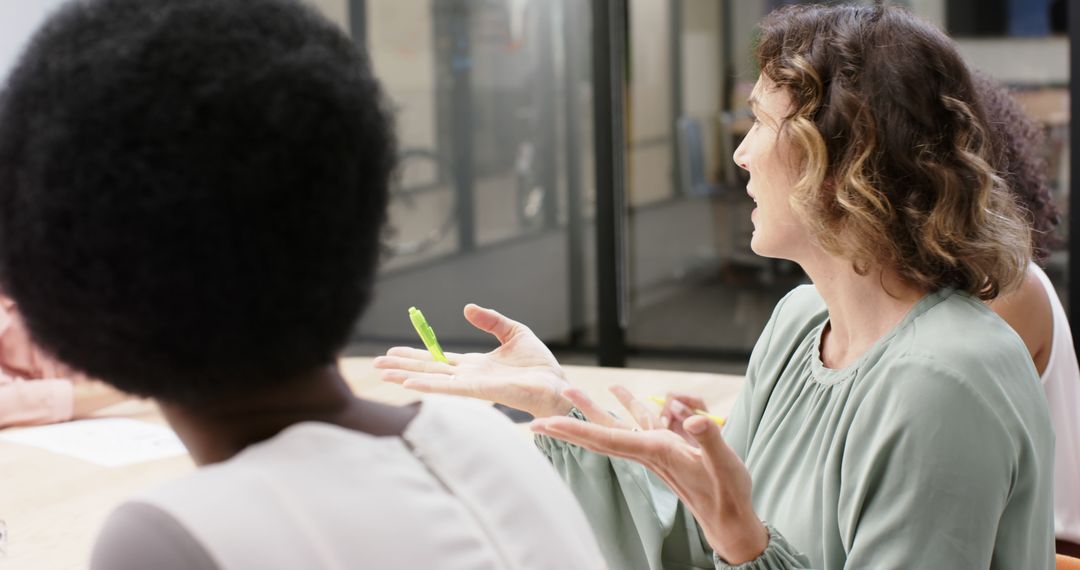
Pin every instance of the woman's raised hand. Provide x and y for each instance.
(707, 475)
(678, 408)
(521, 373)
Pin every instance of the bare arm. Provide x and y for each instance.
(91, 396)
(34, 402)
(1028, 312)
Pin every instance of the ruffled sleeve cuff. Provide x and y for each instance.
(778, 555)
(552, 447)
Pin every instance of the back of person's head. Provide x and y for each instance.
(192, 192)
(1018, 160)
(893, 147)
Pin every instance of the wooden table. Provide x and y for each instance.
(54, 505)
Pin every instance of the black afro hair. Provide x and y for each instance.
(192, 191)
(1017, 157)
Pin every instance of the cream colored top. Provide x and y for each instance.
(460, 489)
(1061, 383)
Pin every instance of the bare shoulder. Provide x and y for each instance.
(1029, 313)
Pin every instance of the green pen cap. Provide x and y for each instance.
(426, 334)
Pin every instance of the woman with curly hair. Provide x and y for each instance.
(889, 418)
(1034, 310)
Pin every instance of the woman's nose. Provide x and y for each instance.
(740, 157)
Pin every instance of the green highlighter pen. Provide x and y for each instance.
(426, 334)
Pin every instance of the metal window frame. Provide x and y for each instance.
(1073, 273)
(609, 132)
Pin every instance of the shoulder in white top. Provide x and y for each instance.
(461, 489)
(1061, 383)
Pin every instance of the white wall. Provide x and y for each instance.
(18, 21)
(400, 44)
(649, 168)
(1026, 61)
(1020, 61)
(744, 20)
(703, 58)
(336, 10)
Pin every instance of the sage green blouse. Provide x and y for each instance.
(933, 450)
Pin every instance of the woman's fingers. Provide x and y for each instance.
(410, 352)
(674, 414)
(718, 455)
(412, 365)
(432, 383)
(598, 438)
(394, 376)
(689, 400)
(593, 412)
(421, 354)
(638, 410)
(677, 408)
(493, 322)
(399, 376)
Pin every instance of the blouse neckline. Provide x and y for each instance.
(831, 376)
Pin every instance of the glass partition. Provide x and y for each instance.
(491, 204)
(495, 199)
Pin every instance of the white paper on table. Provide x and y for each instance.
(111, 442)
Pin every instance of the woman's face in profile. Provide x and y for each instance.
(769, 157)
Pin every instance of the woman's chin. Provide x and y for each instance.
(761, 246)
(757, 244)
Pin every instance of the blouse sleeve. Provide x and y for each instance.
(638, 521)
(778, 555)
(928, 469)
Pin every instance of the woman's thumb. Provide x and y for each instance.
(491, 321)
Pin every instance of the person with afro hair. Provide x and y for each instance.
(191, 198)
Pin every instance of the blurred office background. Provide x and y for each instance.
(498, 102)
(502, 106)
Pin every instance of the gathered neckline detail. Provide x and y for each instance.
(831, 376)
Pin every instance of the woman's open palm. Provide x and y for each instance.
(521, 373)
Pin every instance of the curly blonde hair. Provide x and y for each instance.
(895, 154)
